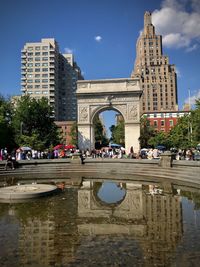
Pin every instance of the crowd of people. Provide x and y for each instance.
(105, 152)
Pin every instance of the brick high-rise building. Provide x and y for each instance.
(47, 73)
(157, 76)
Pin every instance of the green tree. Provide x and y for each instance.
(6, 130)
(160, 138)
(118, 133)
(34, 124)
(100, 135)
(146, 132)
(74, 134)
(179, 136)
(195, 124)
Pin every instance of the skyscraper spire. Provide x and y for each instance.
(149, 29)
(157, 76)
(147, 19)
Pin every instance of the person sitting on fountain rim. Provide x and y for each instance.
(9, 162)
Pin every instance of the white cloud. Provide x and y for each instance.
(68, 50)
(179, 27)
(192, 48)
(193, 98)
(98, 38)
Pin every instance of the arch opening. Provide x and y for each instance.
(108, 124)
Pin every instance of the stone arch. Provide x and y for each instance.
(94, 96)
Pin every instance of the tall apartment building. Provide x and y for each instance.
(158, 78)
(47, 73)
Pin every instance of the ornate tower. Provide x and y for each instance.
(157, 77)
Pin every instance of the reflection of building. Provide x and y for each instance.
(47, 73)
(36, 242)
(155, 221)
(164, 228)
(157, 76)
(164, 121)
(48, 235)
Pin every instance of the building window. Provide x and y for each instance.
(29, 70)
(37, 53)
(37, 64)
(37, 59)
(37, 75)
(171, 123)
(37, 81)
(30, 48)
(155, 123)
(45, 69)
(45, 48)
(37, 70)
(44, 53)
(45, 80)
(44, 64)
(29, 81)
(37, 48)
(162, 123)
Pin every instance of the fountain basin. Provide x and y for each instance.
(26, 191)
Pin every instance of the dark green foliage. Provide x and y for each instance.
(74, 134)
(100, 135)
(6, 130)
(146, 133)
(118, 133)
(34, 124)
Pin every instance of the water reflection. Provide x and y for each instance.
(85, 226)
(111, 192)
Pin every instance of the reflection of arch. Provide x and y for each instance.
(131, 207)
(96, 187)
(122, 95)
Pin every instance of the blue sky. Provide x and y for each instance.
(102, 34)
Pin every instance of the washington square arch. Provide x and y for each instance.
(95, 96)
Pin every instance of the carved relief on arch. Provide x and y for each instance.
(83, 113)
(133, 112)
